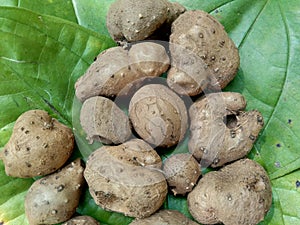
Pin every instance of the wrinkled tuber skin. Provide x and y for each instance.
(54, 198)
(112, 72)
(39, 145)
(165, 217)
(127, 178)
(238, 194)
(200, 33)
(174, 11)
(220, 130)
(129, 20)
(148, 59)
(182, 172)
(104, 121)
(164, 31)
(158, 115)
(189, 75)
(107, 75)
(82, 220)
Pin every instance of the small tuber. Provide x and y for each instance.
(182, 172)
(158, 115)
(104, 121)
(165, 217)
(39, 145)
(220, 130)
(126, 178)
(54, 198)
(239, 194)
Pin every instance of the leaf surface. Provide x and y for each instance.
(267, 33)
(41, 57)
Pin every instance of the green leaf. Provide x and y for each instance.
(92, 14)
(12, 196)
(89, 207)
(41, 57)
(286, 194)
(87, 13)
(58, 8)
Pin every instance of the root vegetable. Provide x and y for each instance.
(112, 72)
(168, 217)
(201, 34)
(238, 194)
(106, 76)
(104, 121)
(127, 178)
(220, 131)
(54, 198)
(158, 115)
(133, 20)
(39, 145)
(182, 172)
(81, 220)
(148, 59)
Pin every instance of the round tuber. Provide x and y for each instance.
(239, 194)
(127, 178)
(39, 145)
(158, 115)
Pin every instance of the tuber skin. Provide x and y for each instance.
(117, 68)
(220, 131)
(239, 194)
(201, 34)
(104, 121)
(134, 20)
(82, 220)
(148, 59)
(106, 76)
(182, 172)
(165, 217)
(39, 145)
(127, 178)
(54, 198)
(158, 115)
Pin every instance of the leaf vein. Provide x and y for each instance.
(221, 5)
(252, 25)
(76, 12)
(287, 66)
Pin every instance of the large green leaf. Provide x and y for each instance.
(87, 13)
(267, 33)
(41, 57)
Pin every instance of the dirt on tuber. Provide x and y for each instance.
(127, 178)
(158, 115)
(54, 198)
(39, 145)
(220, 130)
(182, 172)
(238, 194)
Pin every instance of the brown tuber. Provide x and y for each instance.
(238, 194)
(54, 198)
(220, 130)
(104, 121)
(215, 58)
(82, 220)
(158, 115)
(134, 20)
(39, 145)
(127, 178)
(116, 68)
(182, 172)
(165, 217)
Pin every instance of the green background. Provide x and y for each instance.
(45, 45)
